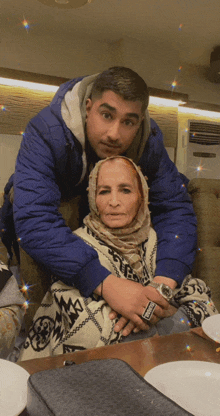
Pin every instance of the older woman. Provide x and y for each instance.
(119, 229)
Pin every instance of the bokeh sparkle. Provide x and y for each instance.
(25, 24)
(174, 84)
(26, 305)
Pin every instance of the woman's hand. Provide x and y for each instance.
(124, 324)
(127, 326)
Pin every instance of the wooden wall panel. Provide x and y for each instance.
(18, 105)
(167, 120)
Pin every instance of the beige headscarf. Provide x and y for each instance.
(125, 241)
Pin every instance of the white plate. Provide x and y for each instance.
(211, 327)
(13, 388)
(194, 385)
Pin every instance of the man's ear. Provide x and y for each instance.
(88, 106)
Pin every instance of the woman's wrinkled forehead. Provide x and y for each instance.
(123, 164)
(143, 188)
(120, 160)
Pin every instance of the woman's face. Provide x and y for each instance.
(118, 197)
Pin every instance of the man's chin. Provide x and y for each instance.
(107, 152)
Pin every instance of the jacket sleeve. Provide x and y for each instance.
(40, 228)
(171, 209)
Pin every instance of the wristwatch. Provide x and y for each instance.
(163, 289)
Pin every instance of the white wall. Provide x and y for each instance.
(9, 146)
(48, 54)
(154, 65)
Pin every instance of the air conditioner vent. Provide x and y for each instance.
(204, 133)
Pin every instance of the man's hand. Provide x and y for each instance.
(130, 300)
(166, 280)
(128, 326)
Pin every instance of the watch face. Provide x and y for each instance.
(166, 291)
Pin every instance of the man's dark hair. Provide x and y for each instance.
(124, 82)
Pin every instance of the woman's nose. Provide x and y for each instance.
(114, 200)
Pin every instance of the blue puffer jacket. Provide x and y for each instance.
(40, 175)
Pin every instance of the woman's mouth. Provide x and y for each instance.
(115, 214)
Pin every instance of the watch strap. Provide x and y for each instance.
(158, 287)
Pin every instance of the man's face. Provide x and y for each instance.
(112, 123)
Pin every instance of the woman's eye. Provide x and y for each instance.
(103, 192)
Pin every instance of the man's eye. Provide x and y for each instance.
(126, 191)
(107, 116)
(129, 123)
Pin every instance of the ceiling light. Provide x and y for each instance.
(196, 111)
(164, 101)
(29, 85)
(62, 1)
(66, 4)
(53, 88)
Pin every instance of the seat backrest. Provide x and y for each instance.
(205, 194)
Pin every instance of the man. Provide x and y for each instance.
(89, 119)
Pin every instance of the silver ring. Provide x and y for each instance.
(149, 310)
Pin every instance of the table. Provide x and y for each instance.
(142, 355)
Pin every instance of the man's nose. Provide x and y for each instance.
(114, 131)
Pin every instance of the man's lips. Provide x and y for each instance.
(111, 146)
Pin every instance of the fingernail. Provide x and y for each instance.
(135, 330)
